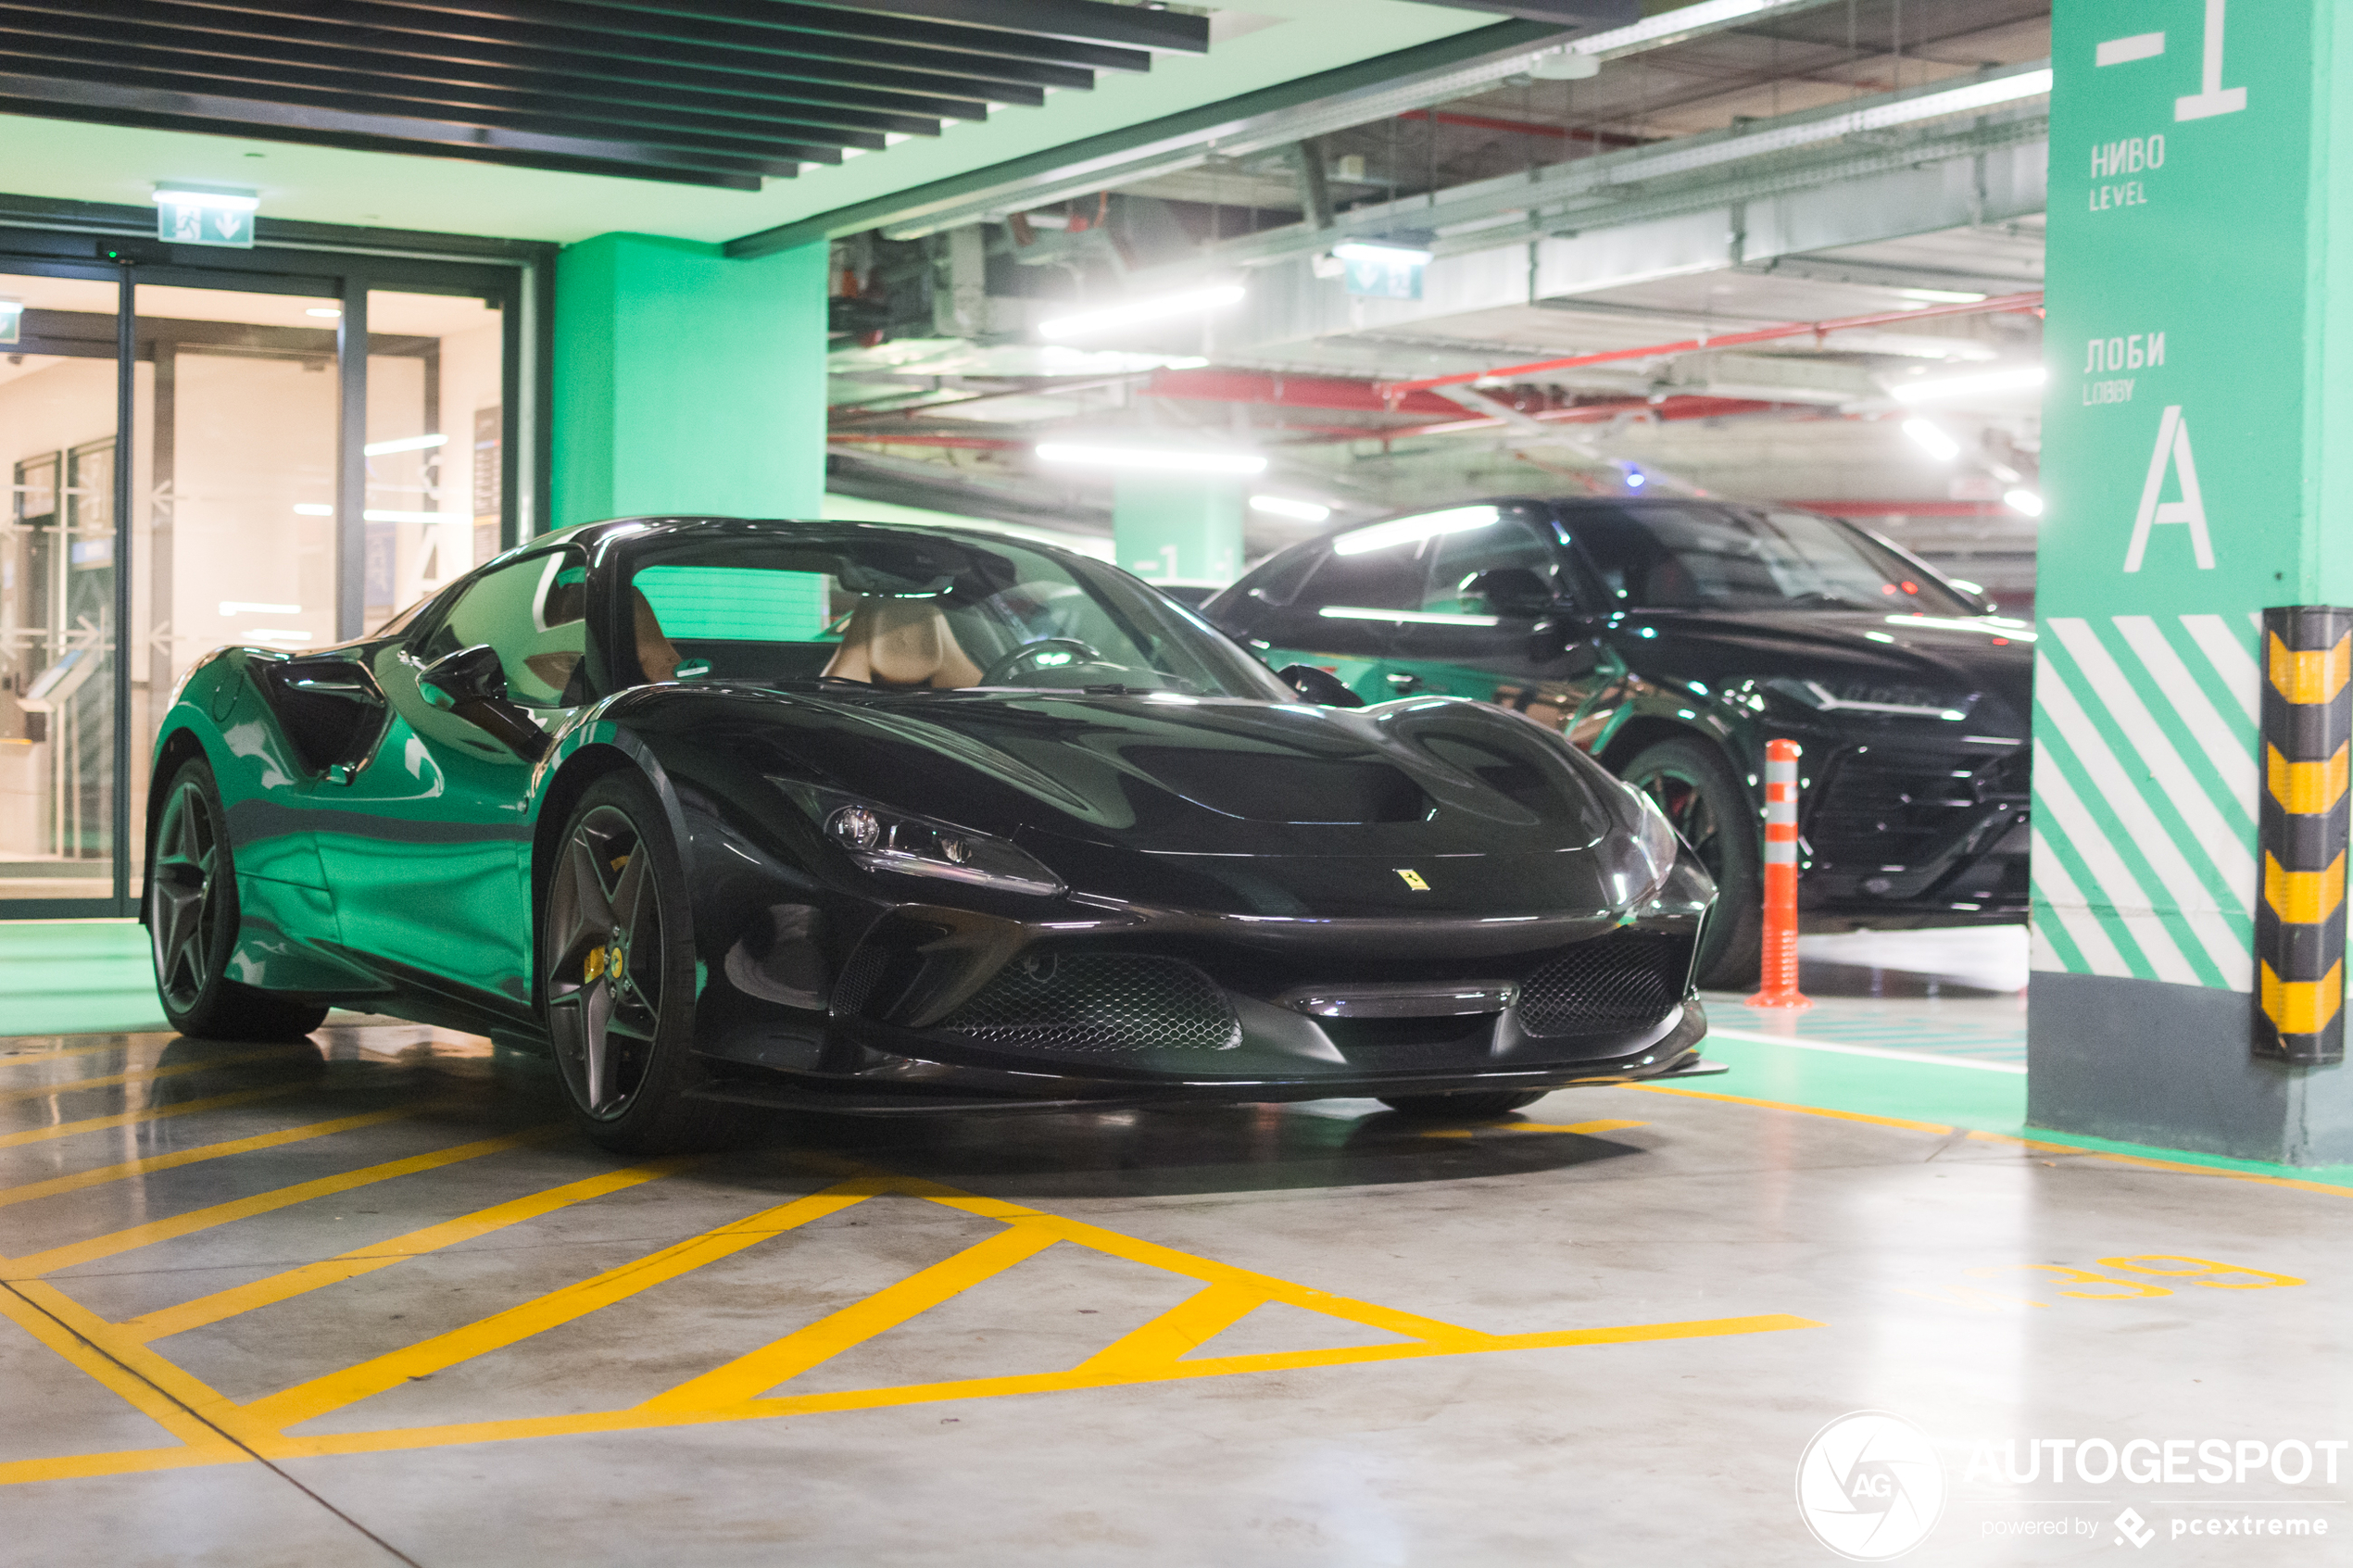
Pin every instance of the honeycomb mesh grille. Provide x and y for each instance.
(858, 976)
(1626, 980)
(1101, 1003)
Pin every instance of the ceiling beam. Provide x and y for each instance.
(1089, 21)
(296, 41)
(111, 103)
(1348, 96)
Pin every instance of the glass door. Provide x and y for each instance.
(223, 527)
(58, 394)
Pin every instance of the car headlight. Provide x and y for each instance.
(1659, 842)
(884, 838)
(1873, 700)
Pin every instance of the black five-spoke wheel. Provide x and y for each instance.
(617, 973)
(192, 921)
(605, 968)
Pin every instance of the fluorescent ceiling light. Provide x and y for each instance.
(232, 606)
(1141, 311)
(326, 312)
(188, 195)
(406, 443)
(2017, 377)
(1394, 253)
(1932, 441)
(1406, 530)
(312, 509)
(1418, 616)
(1165, 459)
(1942, 297)
(2023, 500)
(1280, 506)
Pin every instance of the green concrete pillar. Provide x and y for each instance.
(688, 382)
(2199, 469)
(1180, 528)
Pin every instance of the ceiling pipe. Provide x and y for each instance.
(1816, 330)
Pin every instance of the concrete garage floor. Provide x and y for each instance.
(367, 1303)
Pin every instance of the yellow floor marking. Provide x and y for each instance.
(37, 1263)
(105, 1173)
(2296, 1182)
(26, 1059)
(142, 1074)
(1802, 1109)
(307, 1401)
(1586, 1127)
(167, 1320)
(200, 1443)
(1153, 1353)
(1179, 1331)
(748, 1376)
(160, 1114)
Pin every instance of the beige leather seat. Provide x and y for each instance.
(902, 643)
(657, 655)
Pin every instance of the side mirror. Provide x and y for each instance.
(471, 685)
(1318, 686)
(1580, 658)
(1511, 591)
(469, 675)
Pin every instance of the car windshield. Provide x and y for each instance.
(1672, 556)
(909, 608)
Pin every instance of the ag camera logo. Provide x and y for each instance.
(1870, 1486)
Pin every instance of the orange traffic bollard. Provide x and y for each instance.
(1781, 880)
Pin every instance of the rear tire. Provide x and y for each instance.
(1462, 1108)
(1712, 809)
(193, 923)
(617, 975)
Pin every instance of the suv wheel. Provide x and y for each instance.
(1705, 799)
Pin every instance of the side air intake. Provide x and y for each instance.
(1625, 981)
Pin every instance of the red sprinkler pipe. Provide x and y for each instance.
(1780, 976)
(1729, 340)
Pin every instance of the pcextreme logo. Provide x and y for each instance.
(1870, 1486)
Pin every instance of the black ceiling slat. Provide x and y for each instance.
(151, 119)
(166, 25)
(357, 71)
(979, 75)
(574, 51)
(700, 153)
(895, 32)
(1137, 27)
(356, 14)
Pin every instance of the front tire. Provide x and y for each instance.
(193, 923)
(617, 975)
(1462, 1108)
(1705, 799)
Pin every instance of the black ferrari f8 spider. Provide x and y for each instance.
(870, 819)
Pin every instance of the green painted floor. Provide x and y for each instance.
(76, 977)
(1953, 1057)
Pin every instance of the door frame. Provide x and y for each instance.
(45, 236)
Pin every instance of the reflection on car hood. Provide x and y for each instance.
(1934, 654)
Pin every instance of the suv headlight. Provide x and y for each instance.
(882, 838)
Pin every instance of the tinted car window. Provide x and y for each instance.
(1672, 555)
(532, 612)
(1509, 544)
(904, 608)
(1386, 577)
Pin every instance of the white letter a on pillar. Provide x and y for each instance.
(2174, 448)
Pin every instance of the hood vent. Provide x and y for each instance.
(1264, 787)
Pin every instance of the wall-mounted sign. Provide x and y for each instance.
(201, 215)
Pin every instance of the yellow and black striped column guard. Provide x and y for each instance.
(2299, 919)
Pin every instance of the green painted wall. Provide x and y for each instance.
(2197, 463)
(1178, 527)
(688, 382)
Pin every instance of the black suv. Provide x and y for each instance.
(1671, 638)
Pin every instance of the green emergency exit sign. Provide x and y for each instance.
(201, 215)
